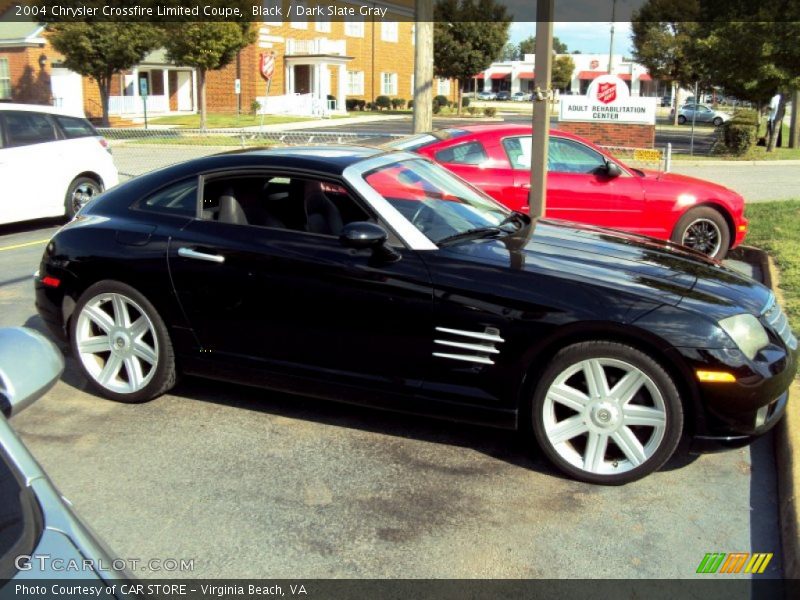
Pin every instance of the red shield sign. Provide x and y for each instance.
(607, 92)
(266, 65)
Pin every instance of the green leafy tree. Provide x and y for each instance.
(528, 46)
(563, 67)
(206, 47)
(468, 36)
(101, 50)
(665, 41)
(510, 52)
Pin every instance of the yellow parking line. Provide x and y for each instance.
(15, 246)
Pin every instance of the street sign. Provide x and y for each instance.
(267, 65)
(143, 87)
(608, 100)
(647, 155)
(237, 86)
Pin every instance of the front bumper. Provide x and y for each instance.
(732, 415)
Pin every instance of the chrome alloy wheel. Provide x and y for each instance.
(704, 236)
(83, 193)
(117, 343)
(604, 416)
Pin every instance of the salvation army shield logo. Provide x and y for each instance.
(607, 92)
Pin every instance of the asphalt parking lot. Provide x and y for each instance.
(249, 483)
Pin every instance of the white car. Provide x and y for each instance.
(51, 162)
(521, 97)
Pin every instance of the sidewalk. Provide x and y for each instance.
(323, 123)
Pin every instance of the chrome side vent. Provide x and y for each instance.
(468, 346)
(779, 323)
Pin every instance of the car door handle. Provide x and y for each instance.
(189, 253)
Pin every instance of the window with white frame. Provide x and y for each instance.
(354, 28)
(389, 31)
(323, 25)
(355, 83)
(388, 84)
(443, 87)
(298, 19)
(5, 80)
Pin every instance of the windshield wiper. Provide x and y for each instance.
(471, 234)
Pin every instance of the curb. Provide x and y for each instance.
(732, 163)
(787, 458)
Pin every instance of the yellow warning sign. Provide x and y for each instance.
(647, 155)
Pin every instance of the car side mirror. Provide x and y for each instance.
(362, 235)
(612, 169)
(30, 365)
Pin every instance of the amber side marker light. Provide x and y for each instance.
(742, 227)
(715, 377)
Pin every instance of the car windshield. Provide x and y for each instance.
(436, 202)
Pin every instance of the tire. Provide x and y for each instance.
(717, 121)
(141, 363)
(631, 436)
(681, 119)
(703, 229)
(79, 193)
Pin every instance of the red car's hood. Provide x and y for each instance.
(692, 184)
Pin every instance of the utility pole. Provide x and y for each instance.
(611, 45)
(423, 67)
(794, 129)
(537, 196)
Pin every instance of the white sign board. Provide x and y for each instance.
(237, 86)
(608, 100)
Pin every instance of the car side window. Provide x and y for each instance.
(176, 199)
(27, 128)
(74, 127)
(469, 153)
(518, 150)
(280, 202)
(568, 156)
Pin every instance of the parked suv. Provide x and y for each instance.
(51, 162)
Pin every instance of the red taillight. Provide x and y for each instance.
(52, 282)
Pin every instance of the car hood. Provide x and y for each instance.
(691, 184)
(659, 271)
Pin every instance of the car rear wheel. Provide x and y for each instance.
(606, 413)
(121, 343)
(703, 229)
(681, 119)
(79, 193)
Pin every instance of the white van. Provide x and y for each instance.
(51, 163)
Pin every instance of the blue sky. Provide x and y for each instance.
(589, 38)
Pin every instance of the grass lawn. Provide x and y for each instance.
(775, 227)
(222, 121)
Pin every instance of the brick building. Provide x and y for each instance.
(319, 63)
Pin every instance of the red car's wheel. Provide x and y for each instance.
(704, 229)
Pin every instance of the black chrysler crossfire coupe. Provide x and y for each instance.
(380, 278)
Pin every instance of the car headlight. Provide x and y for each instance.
(747, 332)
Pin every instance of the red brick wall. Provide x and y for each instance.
(613, 134)
(30, 83)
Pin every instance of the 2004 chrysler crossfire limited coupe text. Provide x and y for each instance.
(381, 278)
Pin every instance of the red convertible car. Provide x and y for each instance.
(588, 185)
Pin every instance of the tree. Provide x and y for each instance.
(563, 67)
(528, 46)
(206, 47)
(101, 50)
(510, 52)
(664, 41)
(468, 36)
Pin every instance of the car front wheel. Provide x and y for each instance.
(717, 121)
(606, 413)
(79, 193)
(703, 229)
(121, 343)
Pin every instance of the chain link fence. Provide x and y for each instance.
(138, 151)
